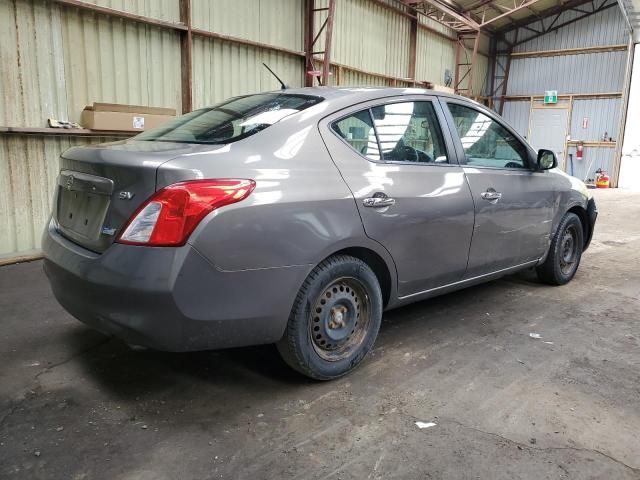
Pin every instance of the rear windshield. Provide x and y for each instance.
(231, 120)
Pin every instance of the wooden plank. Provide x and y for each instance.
(79, 132)
(567, 96)
(569, 51)
(19, 258)
(592, 143)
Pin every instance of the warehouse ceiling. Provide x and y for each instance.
(495, 16)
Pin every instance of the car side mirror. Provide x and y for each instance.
(546, 159)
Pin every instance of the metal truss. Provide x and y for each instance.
(552, 19)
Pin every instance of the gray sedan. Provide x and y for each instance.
(297, 217)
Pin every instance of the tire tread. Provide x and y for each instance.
(288, 347)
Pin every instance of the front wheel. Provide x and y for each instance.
(335, 319)
(565, 252)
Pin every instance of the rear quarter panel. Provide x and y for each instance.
(300, 212)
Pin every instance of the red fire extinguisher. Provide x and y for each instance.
(580, 151)
(602, 179)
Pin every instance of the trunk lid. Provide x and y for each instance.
(100, 187)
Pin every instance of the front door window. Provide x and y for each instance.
(486, 143)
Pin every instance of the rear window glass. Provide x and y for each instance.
(231, 120)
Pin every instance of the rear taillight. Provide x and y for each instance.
(168, 217)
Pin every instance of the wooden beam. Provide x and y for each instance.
(328, 36)
(472, 67)
(413, 42)
(186, 57)
(243, 41)
(120, 14)
(570, 51)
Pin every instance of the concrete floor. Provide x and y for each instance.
(74, 404)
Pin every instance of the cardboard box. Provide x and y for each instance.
(132, 118)
(439, 88)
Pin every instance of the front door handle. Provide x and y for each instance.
(378, 200)
(491, 195)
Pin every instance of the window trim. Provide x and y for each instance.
(462, 156)
(449, 146)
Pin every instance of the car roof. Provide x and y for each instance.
(359, 94)
(338, 98)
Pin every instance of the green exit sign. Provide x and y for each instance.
(551, 96)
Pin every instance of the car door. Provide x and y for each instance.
(514, 203)
(409, 189)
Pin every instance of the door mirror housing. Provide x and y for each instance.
(546, 159)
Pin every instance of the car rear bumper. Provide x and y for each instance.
(170, 299)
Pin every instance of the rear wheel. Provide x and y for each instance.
(565, 252)
(335, 319)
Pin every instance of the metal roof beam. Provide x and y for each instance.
(445, 14)
(525, 4)
(559, 9)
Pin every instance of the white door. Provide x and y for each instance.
(548, 129)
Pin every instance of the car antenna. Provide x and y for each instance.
(283, 86)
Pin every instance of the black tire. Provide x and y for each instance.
(565, 252)
(334, 320)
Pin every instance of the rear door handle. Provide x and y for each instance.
(491, 195)
(378, 201)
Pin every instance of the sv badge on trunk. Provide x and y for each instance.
(126, 195)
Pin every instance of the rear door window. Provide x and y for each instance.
(232, 120)
(409, 132)
(395, 132)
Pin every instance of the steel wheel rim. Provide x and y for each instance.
(568, 250)
(339, 319)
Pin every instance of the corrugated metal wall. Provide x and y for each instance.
(224, 69)
(57, 59)
(167, 10)
(588, 73)
(602, 115)
(605, 28)
(517, 114)
(434, 55)
(274, 22)
(594, 158)
(32, 85)
(115, 61)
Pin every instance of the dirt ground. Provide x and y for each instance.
(77, 405)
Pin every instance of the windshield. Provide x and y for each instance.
(232, 120)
